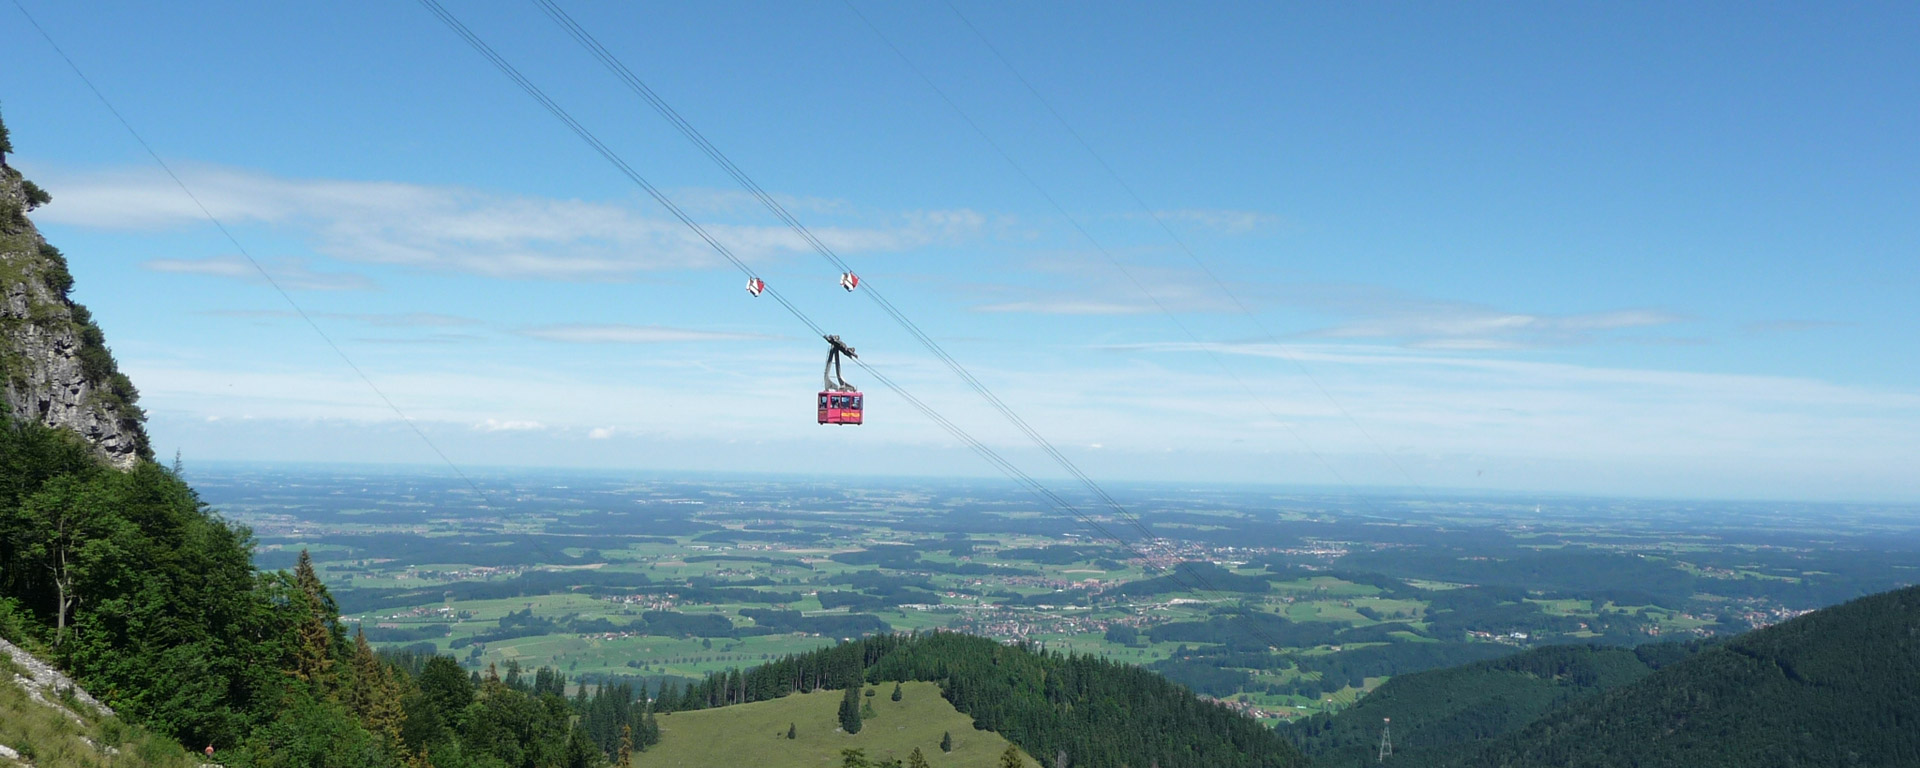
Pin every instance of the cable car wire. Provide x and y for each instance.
(1111, 259)
(1075, 222)
(686, 128)
(1180, 242)
(264, 274)
(479, 45)
(1095, 242)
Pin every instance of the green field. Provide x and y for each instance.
(755, 735)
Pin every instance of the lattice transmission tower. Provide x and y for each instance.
(1386, 738)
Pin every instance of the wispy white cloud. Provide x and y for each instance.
(1066, 306)
(436, 340)
(291, 274)
(1790, 326)
(1370, 312)
(405, 319)
(1440, 325)
(633, 334)
(464, 230)
(1225, 221)
(1445, 416)
(1092, 286)
(510, 425)
(374, 319)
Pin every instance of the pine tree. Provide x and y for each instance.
(946, 741)
(792, 733)
(625, 756)
(375, 695)
(850, 710)
(896, 691)
(917, 760)
(854, 758)
(649, 730)
(313, 648)
(1011, 758)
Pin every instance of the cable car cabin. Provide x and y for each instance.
(840, 407)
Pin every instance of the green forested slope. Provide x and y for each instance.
(1435, 713)
(1837, 687)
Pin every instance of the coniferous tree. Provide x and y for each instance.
(854, 758)
(850, 710)
(946, 741)
(374, 695)
(625, 758)
(917, 760)
(792, 733)
(579, 751)
(313, 644)
(896, 691)
(1011, 758)
(446, 686)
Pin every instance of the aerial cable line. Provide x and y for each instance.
(1272, 338)
(1095, 242)
(1254, 628)
(993, 457)
(640, 88)
(264, 274)
(1047, 495)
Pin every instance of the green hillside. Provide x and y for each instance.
(1836, 687)
(756, 734)
(1434, 713)
(1094, 712)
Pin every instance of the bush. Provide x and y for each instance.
(17, 626)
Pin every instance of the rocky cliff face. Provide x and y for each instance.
(53, 359)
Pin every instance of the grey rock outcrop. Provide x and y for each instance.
(46, 685)
(54, 362)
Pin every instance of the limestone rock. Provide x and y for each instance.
(54, 362)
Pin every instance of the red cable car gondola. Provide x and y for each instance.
(840, 403)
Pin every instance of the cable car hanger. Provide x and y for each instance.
(831, 375)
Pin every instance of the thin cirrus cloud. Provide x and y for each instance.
(1065, 306)
(289, 273)
(633, 334)
(1219, 220)
(1086, 287)
(509, 425)
(458, 229)
(1381, 314)
(1467, 327)
(374, 319)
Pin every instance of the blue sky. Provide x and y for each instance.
(1639, 250)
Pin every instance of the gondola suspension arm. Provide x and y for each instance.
(831, 374)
